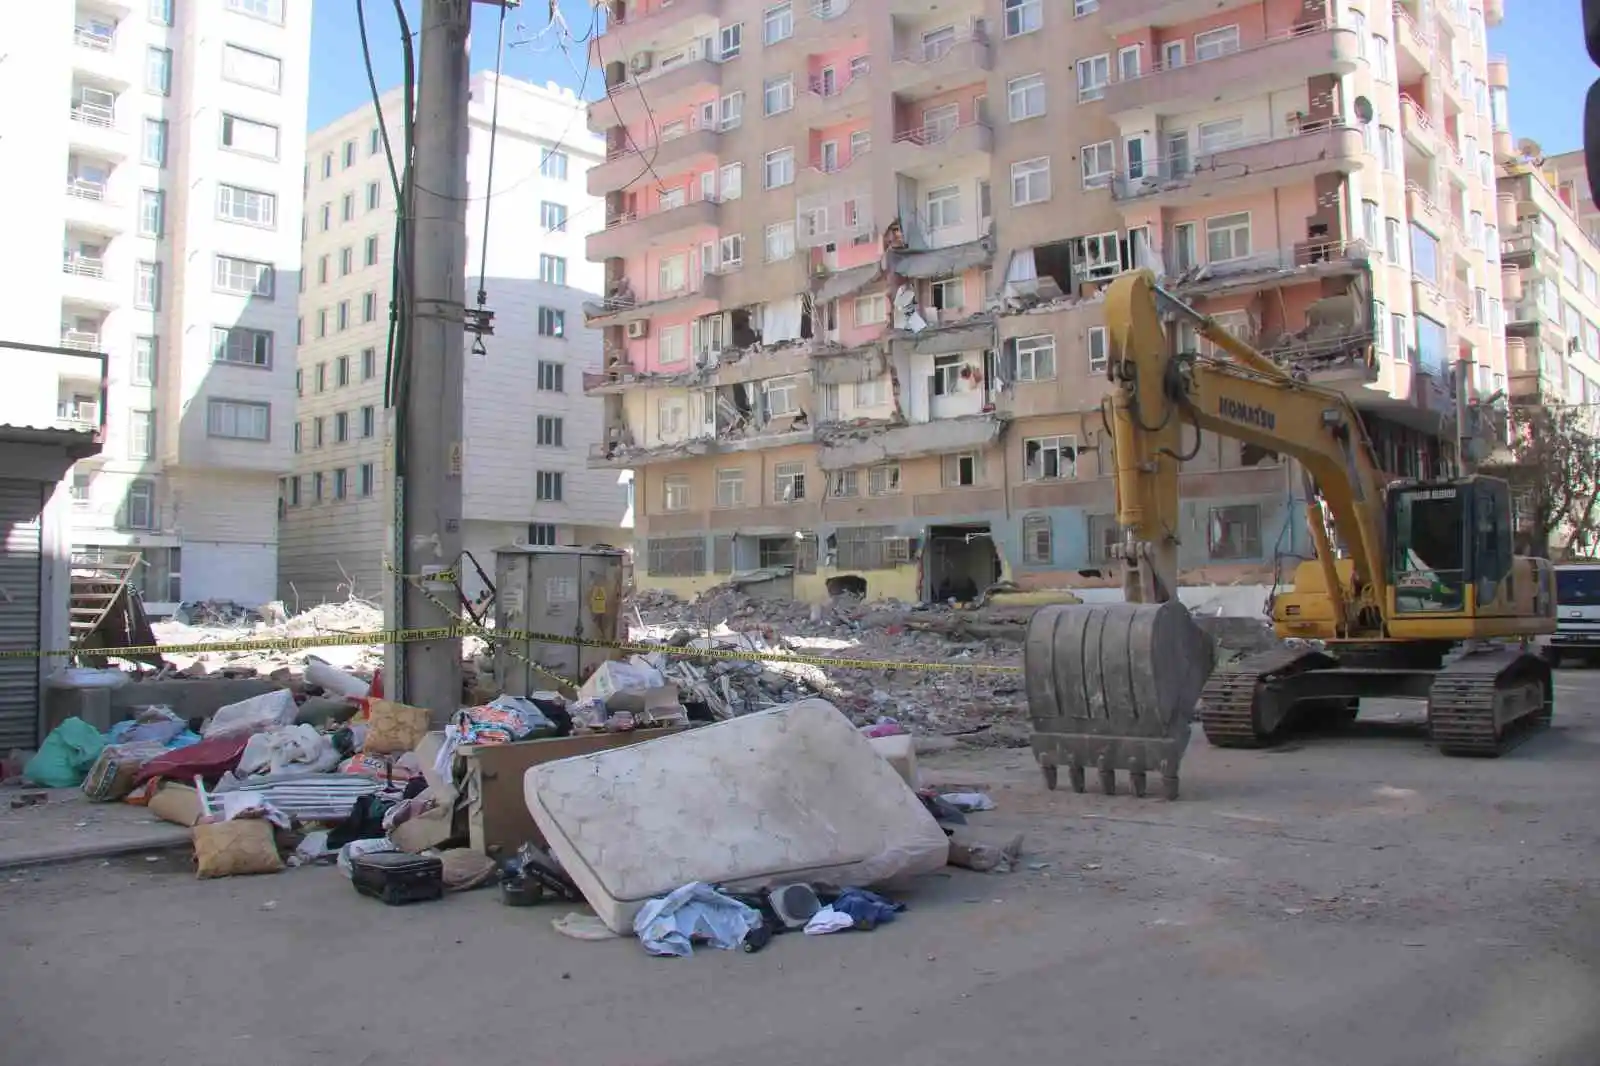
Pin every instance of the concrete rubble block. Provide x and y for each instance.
(188, 697)
(900, 752)
(795, 793)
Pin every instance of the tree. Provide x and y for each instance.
(1554, 473)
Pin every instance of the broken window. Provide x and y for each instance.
(1036, 546)
(960, 470)
(1098, 255)
(883, 480)
(947, 294)
(675, 556)
(868, 548)
(1234, 533)
(788, 482)
(1104, 535)
(845, 483)
(1049, 458)
(946, 374)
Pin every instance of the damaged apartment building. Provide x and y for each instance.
(852, 316)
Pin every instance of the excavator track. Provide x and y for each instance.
(1228, 703)
(1486, 703)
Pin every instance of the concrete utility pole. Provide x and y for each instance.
(428, 479)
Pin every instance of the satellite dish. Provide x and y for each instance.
(1363, 108)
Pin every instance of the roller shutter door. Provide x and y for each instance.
(20, 504)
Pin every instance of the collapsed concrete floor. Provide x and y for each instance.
(1355, 898)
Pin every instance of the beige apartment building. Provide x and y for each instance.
(854, 257)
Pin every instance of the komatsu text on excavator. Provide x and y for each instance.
(1413, 592)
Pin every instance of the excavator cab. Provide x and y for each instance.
(1449, 545)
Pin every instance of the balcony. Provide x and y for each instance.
(1450, 92)
(96, 54)
(634, 102)
(94, 127)
(660, 26)
(633, 230)
(1525, 318)
(669, 155)
(1426, 299)
(1424, 210)
(615, 311)
(829, 21)
(1510, 283)
(87, 208)
(922, 152)
(1281, 62)
(1126, 16)
(1415, 45)
(1418, 128)
(1310, 260)
(86, 282)
(930, 69)
(817, 177)
(832, 102)
(81, 340)
(78, 414)
(1499, 74)
(1319, 148)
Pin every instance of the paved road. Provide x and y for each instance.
(1351, 899)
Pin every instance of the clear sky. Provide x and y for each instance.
(1543, 39)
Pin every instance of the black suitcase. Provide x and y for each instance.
(397, 877)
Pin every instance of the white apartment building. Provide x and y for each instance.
(528, 425)
(153, 149)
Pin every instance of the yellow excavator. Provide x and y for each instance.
(1414, 591)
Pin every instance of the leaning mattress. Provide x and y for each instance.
(794, 793)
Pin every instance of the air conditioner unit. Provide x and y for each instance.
(639, 329)
(642, 62)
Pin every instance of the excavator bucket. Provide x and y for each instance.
(1114, 686)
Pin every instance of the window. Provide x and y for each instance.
(777, 24)
(1036, 358)
(374, 195)
(347, 207)
(327, 217)
(240, 346)
(1099, 163)
(369, 307)
(947, 294)
(1234, 532)
(1228, 237)
(347, 154)
(322, 377)
(147, 286)
(779, 169)
(152, 208)
(269, 10)
(261, 71)
(871, 310)
(374, 141)
(1370, 229)
(732, 181)
(1030, 181)
(1085, 7)
(155, 142)
(299, 436)
(139, 506)
(1025, 97)
(365, 479)
(676, 556)
(250, 137)
(552, 322)
(778, 95)
(547, 485)
(1185, 249)
(1172, 55)
(672, 274)
(553, 217)
(1391, 241)
(344, 315)
(551, 376)
(1388, 152)
(883, 480)
(327, 165)
(780, 241)
(1213, 44)
(341, 483)
(846, 483)
(235, 204)
(959, 470)
(1104, 537)
(730, 39)
(1220, 135)
(372, 251)
(1023, 16)
(944, 207)
(553, 269)
(347, 261)
(1049, 458)
(672, 346)
(675, 492)
(318, 424)
(730, 488)
(548, 429)
(553, 164)
(316, 487)
(237, 421)
(341, 427)
(788, 482)
(1424, 255)
(939, 123)
(1382, 59)
(369, 420)
(244, 277)
(782, 397)
(1094, 74)
(160, 12)
(730, 252)
(322, 270)
(1399, 338)
(341, 371)
(542, 534)
(1036, 547)
(144, 361)
(158, 71)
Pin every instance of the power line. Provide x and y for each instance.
(481, 323)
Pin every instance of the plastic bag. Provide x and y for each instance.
(254, 715)
(66, 755)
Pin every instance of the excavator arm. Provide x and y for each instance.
(1244, 396)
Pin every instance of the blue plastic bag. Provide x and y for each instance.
(66, 755)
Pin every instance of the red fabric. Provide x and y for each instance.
(209, 759)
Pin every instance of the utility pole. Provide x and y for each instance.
(428, 477)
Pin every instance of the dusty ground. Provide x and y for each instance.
(1354, 899)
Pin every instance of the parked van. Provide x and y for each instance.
(1577, 613)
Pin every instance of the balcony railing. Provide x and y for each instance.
(85, 266)
(629, 146)
(816, 87)
(86, 189)
(626, 217)
(80, 340)
(94, 40)
(829, 9)
(1419, 114)
(94, 115)
(935, 133)
(81, 413)
(1211, 162)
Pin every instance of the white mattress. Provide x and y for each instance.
(791, 794)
